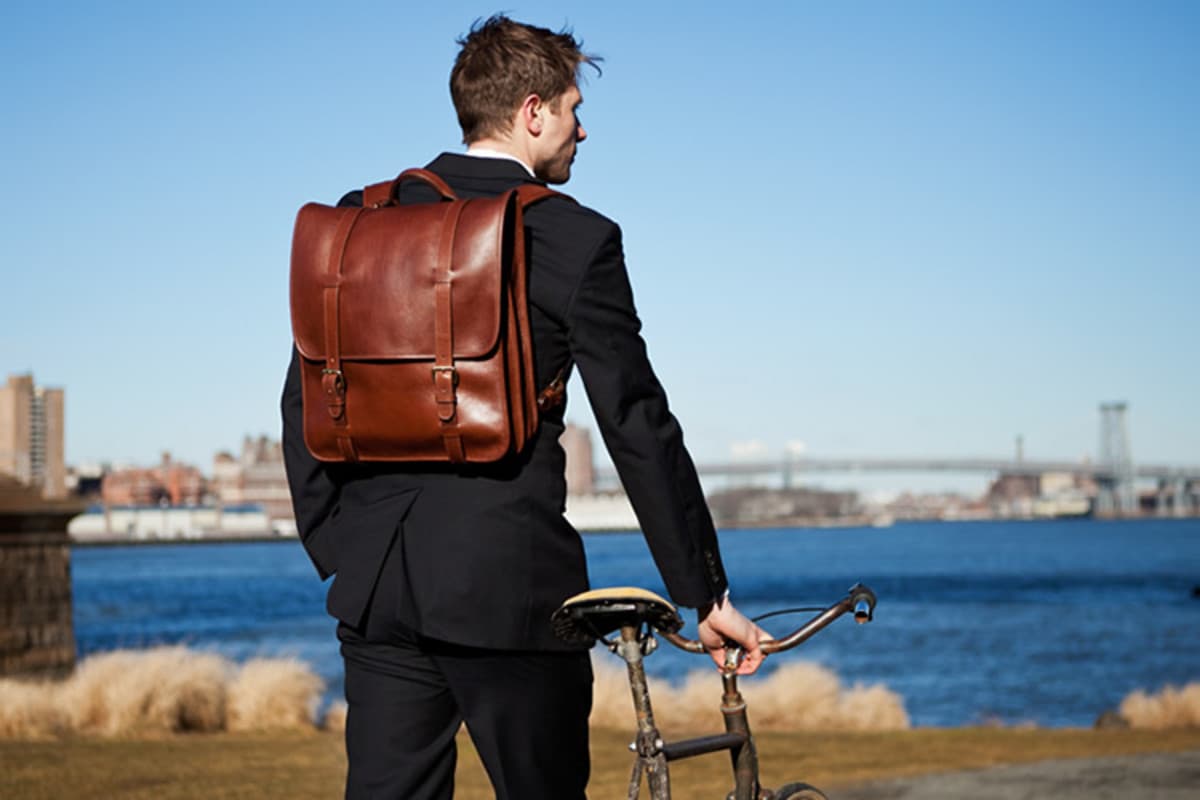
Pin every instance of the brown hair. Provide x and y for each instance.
(501, 63)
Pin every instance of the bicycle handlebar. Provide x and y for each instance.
(860, 601)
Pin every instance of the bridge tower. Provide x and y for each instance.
(1116, 487)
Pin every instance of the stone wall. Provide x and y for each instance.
(37, 636)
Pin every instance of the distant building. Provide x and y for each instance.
(171, 483)
(255, 477)
(86, 480)
(609, 511)
(153, 523)
(1051, 494)
(581, 473)
(31, 435)
(1012, 495)
(935, 505)
(756, 505)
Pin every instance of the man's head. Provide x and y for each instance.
(518, 84)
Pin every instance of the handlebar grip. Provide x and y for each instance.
(862, 600)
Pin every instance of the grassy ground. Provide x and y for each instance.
(312, 766)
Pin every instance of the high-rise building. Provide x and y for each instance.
(31, 435)
(581, 474)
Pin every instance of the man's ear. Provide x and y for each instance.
(529, 115)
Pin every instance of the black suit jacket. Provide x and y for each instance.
(483, 555)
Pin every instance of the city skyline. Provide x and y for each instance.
(905, 231)
(875, 477)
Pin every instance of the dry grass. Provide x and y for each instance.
(334, 720)
(796, 697)
(280, 765)
(158, 691)
(30, 711)
(154, 691)
(273, 694)
(299, 765)
(111, 727)
(1171, 708)
(173, 689)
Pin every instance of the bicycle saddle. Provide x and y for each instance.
(592, 615)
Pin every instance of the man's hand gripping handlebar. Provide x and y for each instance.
(732, 639)
(739, 645)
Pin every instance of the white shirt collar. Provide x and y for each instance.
(486, 152)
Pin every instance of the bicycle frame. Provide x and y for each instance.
(653, 754)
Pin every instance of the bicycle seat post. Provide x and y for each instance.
(649, 744)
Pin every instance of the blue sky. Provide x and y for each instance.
(877, 228)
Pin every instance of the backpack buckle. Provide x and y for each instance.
(445, 382)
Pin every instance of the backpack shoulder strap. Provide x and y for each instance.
(530, 193)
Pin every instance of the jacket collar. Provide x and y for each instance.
(463, 166)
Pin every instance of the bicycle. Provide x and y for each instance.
(637, 614)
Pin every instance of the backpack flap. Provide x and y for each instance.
(385, 277)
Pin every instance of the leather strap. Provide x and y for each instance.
(333, 381)
(554, 395)
(530, 193)
(445, 375)
(378, 195)
(432, 179)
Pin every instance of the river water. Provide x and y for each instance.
(1010, 622)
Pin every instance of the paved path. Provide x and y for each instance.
(1157, 776)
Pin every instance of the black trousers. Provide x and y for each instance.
(526, 713)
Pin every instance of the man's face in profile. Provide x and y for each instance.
(561, 132)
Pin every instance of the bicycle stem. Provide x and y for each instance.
(744, 755)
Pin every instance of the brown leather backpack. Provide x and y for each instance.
(412, 324)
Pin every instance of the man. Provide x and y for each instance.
(446, 577)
